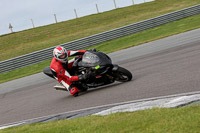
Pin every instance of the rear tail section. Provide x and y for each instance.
(48, 72)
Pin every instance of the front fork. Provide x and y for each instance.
(115, 67)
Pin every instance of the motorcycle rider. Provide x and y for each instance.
(62, 68)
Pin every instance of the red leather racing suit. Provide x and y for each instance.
(61, 71)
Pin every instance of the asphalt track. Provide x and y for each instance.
(164, 67)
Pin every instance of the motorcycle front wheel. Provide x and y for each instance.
(122, 75)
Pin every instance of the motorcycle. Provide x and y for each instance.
(100, 68)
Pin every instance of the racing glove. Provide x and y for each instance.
(84, 76)
(87, 75)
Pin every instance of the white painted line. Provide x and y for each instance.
(102, 106)
(12, 125)
(160, 103)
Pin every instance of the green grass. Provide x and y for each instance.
(117, 44)
(165, 120)
(24, 42)
(169, 29)
(22, 72)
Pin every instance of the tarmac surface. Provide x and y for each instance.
(164, 67)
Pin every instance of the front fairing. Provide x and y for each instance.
(93, 59)
(90, 58)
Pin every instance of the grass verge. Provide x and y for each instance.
(172, 28)
(164, 120)
(24, 42)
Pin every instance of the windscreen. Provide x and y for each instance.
(90, 58)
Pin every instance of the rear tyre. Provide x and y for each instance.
(122, 75)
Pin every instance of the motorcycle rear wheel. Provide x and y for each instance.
(122, 75)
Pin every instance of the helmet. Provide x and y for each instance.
(60, 53)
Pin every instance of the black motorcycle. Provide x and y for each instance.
(100, 68)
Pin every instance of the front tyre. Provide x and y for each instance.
(122, 75)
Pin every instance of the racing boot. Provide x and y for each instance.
(74, 91)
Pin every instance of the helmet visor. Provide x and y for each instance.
(63, 56)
